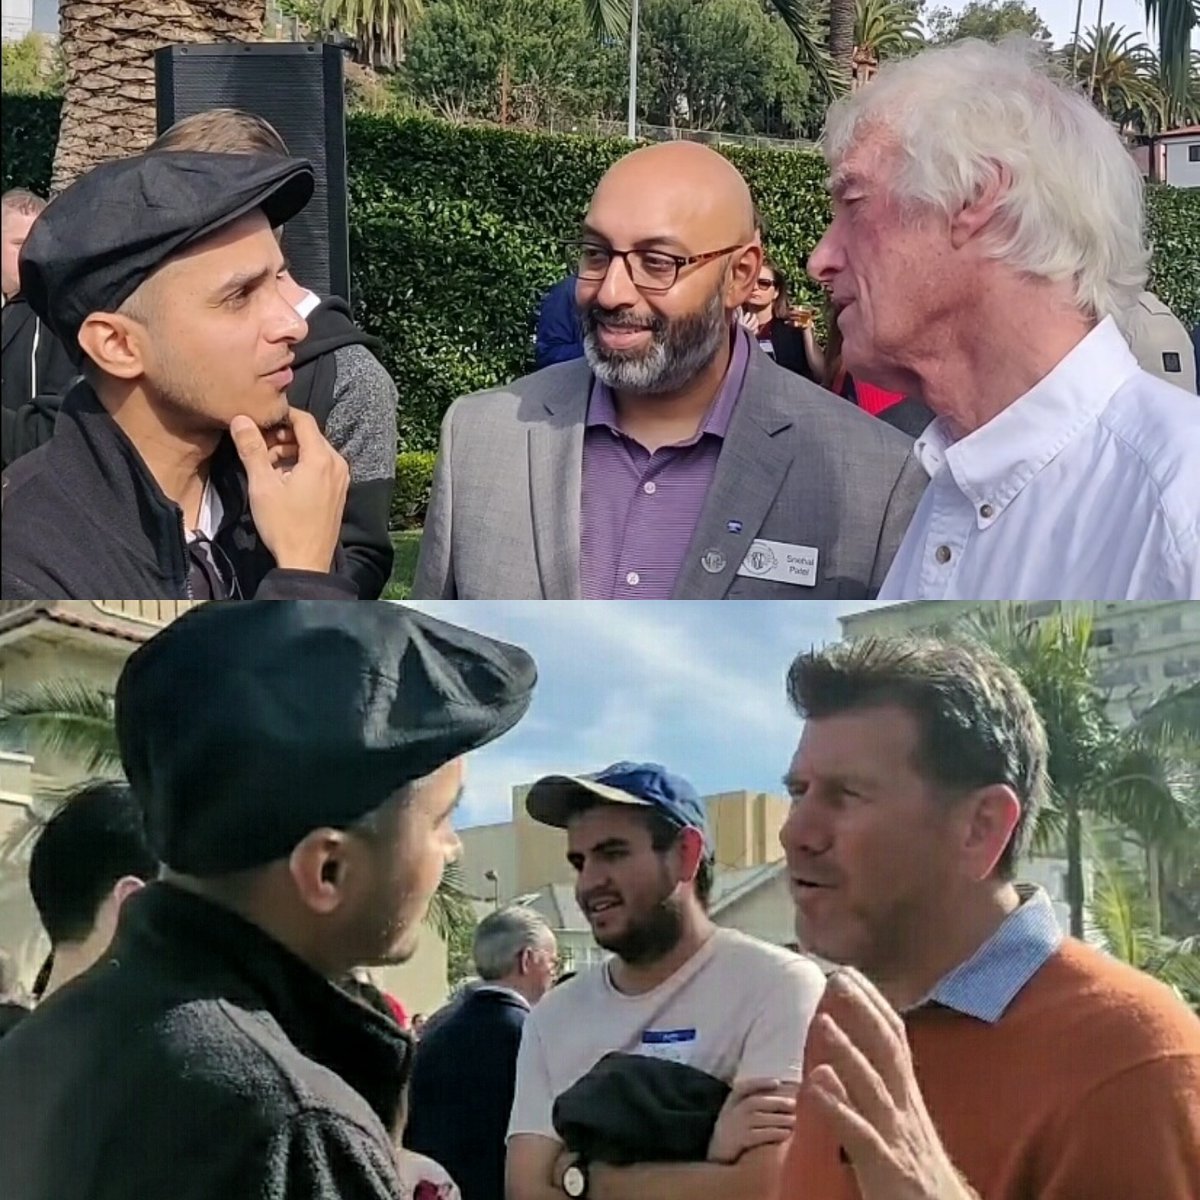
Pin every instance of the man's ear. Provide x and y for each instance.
(977, 214)
(318, 866)
(690, 848)
(993, 814)
(115, 343)
(743, 272)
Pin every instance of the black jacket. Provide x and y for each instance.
(200, 1060)
(84, 519)
(463, 1082)
(632, 1109)
(35, 370)
(365, 540)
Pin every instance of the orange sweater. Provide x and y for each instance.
(1088, 1088)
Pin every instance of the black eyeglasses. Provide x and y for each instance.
(650, 270)
(766, 283)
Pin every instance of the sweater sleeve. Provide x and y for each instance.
(1137, 1134)
(362, 428)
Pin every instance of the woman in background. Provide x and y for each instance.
(775, 323)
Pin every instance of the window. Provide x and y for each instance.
(1194, 153)
(1102, 637)
(1173, 624)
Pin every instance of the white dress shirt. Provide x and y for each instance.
(1086, 488)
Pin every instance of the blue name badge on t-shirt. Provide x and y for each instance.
(674, 1045)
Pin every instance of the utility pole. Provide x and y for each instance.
(633, 70)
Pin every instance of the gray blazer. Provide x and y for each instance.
(799, 466)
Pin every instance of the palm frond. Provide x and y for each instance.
(67, 717)
(451, 909)
(812, 53)
(609, 19)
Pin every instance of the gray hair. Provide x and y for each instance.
(502, 935)
(957, 113)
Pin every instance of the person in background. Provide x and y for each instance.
(1161, 343)
(302, 804)
(677, 987)
(465, 1068)
(336, 374)
(559, 336)
(779, 328)
(967, 273)
(965, 1048)
(907, 414)
(12, 1009)
(35, 368)
(90, 857)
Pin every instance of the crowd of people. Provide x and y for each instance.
(182, 419)
(203, 1028)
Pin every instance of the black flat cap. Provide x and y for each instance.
(245, 725)
(93, 246)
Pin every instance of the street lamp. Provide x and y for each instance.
(633, 68)
(494, 880)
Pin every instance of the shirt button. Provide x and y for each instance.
(650, 488)
(943, 554)
(633, 579)
(986, 510)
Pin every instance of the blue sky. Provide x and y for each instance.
(695, 685)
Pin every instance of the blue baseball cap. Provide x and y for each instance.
(554, 799)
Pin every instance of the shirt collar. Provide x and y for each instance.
(992, 464)
(500, 990)
(602, 409)
(987, 983)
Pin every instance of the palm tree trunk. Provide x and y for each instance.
(841, 33)
(1154, 880)
(108, 104)
(1074, 864)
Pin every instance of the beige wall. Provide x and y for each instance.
(20, 931)
(541, 850)
(765, 912)
(421, 983)
(745, 827)
(490, 847)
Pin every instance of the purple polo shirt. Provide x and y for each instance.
(638, 510)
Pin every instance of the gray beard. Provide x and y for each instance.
(679, 350)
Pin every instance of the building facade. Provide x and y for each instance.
(1142, 650)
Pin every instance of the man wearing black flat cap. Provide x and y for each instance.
(172, 473)
(298, 763)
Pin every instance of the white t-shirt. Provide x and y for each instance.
(738, 1008)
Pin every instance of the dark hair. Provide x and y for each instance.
(978, 724)
(96, 838)
(783, 300)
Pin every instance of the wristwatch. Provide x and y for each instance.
(575, 1180)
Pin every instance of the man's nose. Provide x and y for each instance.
(825, 261)
(616, 289)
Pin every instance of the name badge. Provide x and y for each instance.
(672, 1045)
(782, 562)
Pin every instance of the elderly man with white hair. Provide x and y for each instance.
(985, 251)
(465, 1070)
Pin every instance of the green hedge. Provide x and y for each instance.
(414, 482)
(456, 233)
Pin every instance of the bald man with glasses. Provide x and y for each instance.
(674, 460)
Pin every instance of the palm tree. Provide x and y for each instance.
(1175, 20)
(380, 28)
(885, 29)
(108, 102)
(1135, 777)
(74, 719)
(1121, 74)
(1121, 915)
(829, 67)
